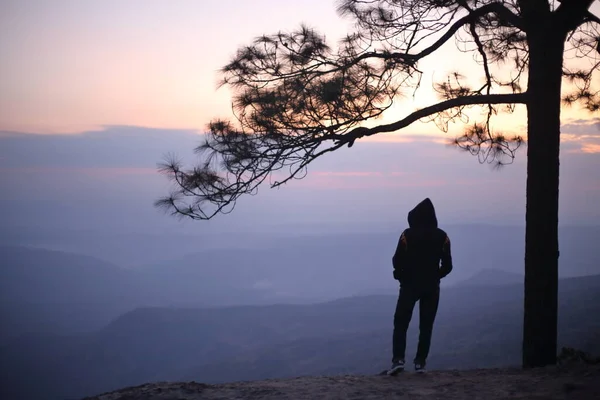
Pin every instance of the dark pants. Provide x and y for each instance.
(428, 299)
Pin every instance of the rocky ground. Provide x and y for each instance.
(572, 382)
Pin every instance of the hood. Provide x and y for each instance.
(423, 216)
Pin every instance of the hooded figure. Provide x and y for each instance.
(423, 216)
(416, 264)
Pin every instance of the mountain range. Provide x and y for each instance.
(254, 307)
(477, 326)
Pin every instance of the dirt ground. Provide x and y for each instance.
(575, 382)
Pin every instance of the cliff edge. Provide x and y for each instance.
(571, 382)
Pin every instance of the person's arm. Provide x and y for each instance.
(398, 260)
(446, 266)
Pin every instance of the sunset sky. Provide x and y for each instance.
(114, 85)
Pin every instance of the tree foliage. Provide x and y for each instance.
(296, 98)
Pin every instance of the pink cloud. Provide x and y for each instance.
(356, 180)
(578, 127)
(91, 171)
(398, 173)
(590, 148)
(581, 144)
(347, 173)
(581, 135)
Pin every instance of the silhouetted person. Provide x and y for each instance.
(417, 267)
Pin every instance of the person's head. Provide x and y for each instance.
(423, 215)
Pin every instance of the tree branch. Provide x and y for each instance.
(496, 8)
(590, 17)
(573, 13)
(410, 59)
(357, 133)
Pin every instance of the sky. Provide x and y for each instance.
(94, 94)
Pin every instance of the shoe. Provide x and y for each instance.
(397, 367)
(420, 368)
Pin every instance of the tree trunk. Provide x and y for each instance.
(546, 48)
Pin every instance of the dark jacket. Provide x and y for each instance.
(421, 248)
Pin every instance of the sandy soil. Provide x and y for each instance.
(575, 382)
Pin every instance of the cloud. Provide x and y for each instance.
(580, 144)
(367, 181)
(113, 173)
(89, 171)
(581, 136)
(112, 147)
(588, 127)
(120, 151)
(591, 148)
(348, 173)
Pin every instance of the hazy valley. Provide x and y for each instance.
(291, 305)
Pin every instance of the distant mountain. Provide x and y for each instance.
(298, 269)
(128, 249)
(31, 274)
(326, 266)
(46, 291)
(477, 326)
(225, 277)
(294, 267)
(474, 247)
(50, 291)
(491, 277)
